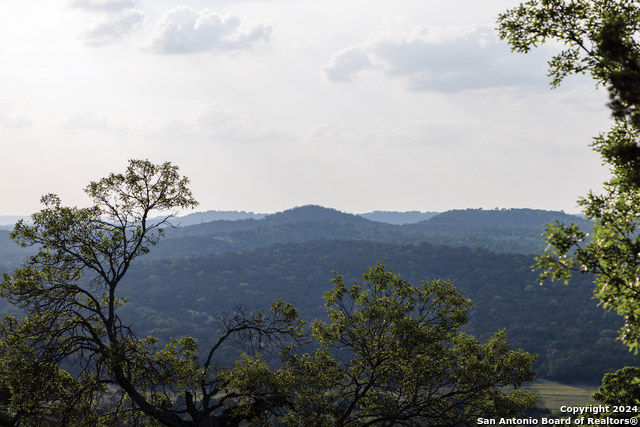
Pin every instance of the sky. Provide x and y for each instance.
(358, 105)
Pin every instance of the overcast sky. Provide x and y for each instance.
(358, 105)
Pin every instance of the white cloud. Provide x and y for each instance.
(333, 131)
(442, 133)
(184, 30)
(423, 132)
(236, 125)
(217, 124)
(113, 28)
(9, 121)
(438, 59)
(103, 5)
(173, 129)
(90, 120)
(345, 63)
(16, 122)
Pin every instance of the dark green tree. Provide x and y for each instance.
(601, 39)
(71, 360)
(620, 393)
(621, 388)
(394, 355)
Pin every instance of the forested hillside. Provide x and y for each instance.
(10, 253)
(513, 230)
(505, 230)
(574, 338)
(204, 269)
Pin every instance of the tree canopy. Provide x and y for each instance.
(601, 39)
(71, 359)
(393, 355)
(621, 388)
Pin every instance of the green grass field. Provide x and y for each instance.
(555, 394)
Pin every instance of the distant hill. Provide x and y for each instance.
(8, 221)
(509, 230)
(526, 217)
(505, 230)
(308, 213)
(503, 217)
(10, 253)
(398, 218)
(208, 216)
(314, 213)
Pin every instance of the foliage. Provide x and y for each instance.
(393, 354)
(71, 360)
(621, 388)
(620, 393)
(573, 336)
(601, 39)
(611, 251)
(512, 230)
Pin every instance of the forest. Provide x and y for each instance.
(202, 270)
(574, 338)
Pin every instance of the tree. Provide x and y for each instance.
(620, 392)
(601, 37)
(71, 360)
(394, 355)
(621, 388)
